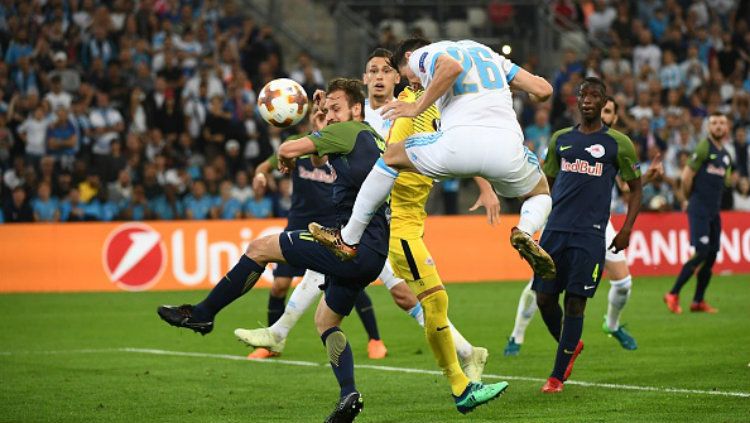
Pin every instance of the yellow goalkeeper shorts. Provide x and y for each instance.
(413, 263)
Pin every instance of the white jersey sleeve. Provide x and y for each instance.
(422, 61)
(480, 95)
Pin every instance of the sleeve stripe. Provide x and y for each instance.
(433, 61)
(512, 73)
(380, 165)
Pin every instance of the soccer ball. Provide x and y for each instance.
(282, 102)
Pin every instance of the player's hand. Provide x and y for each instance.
(655, 170)
(397, 109)
(491, 203)
(286, 165)
(318, 97)
(621, 241)
(260, 180)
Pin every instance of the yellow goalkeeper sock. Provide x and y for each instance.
(438, 334)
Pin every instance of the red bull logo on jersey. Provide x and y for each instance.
(716, 170)
(596, 151)
(582, 166)
(318, 175)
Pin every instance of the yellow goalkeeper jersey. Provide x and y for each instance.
(409, 194)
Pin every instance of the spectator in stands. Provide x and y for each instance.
(71, 209)
(18, 208)
(196, 111)
(62, 138)
(107, 124)
(283, 198)
(168, 205)
(307, 74)
(646, 53)
(643, 108)
(615, 67)
(45, 207)
(138, 207)
(600, 20)
(742, 150)
(694, 71)
(198, 203)
(647, 140)
(670, 74)
(539, 132)
(242, 190)
(33, 133)
(7, 141)
(216, 130)
(170, 118)
(226, 207)
(121, 190)
(234, 160)
(56, 97)
(742, 195)
(98, 47)
(259, 205)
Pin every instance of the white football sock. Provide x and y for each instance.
(388, 277)
(463, 347)
(534, 212)
(526, 309)
(303, 295)
(619, 293)
(373, 192)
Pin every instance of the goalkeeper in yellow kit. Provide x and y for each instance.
(412, 262)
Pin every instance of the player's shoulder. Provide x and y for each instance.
(703, 144)
(560, 132)
(618, 136)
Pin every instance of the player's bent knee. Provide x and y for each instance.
(617, 270)
(264, 250)
(395, 157)
(325, 318)
(544, 300)
(541, 188)
(574, 305)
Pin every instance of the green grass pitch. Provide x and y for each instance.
(64, 358)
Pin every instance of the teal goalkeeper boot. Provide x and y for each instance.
(621, 335)
(477, 394)
(512, 348)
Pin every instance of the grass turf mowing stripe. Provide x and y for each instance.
(373, 367)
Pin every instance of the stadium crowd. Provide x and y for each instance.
(134, 110)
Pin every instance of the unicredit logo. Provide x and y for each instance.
(134, 256)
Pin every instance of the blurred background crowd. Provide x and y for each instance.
(136, 110)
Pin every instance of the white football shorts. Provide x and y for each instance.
(496, 154)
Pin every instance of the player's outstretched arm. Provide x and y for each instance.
(263, 171)
(293, 149)
(487, 199)
(538, 87)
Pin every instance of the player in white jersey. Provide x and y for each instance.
(479, 136)
(380, 79)
(615, 264)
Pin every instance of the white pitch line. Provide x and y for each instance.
(376, 367)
